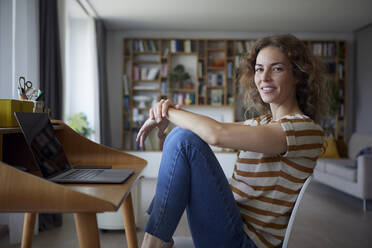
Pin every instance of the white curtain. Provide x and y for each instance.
(81, 69)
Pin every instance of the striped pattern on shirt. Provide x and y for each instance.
(266, 186)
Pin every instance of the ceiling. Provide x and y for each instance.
(235, 15)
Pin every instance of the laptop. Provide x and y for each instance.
(49, 156)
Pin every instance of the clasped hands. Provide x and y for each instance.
(158, 118)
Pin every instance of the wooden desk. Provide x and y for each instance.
(25, 192)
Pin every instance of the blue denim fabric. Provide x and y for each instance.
(191, 178)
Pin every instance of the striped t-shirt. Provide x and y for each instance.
(265, 186)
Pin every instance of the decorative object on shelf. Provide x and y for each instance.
(141, 99)
(178, 76)
(79, 123)
(216, 96)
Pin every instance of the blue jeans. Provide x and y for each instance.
(191, 178)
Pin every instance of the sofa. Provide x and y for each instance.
(352, 175)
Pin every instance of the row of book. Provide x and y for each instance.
(145, 46)
(200, 69)
(215, 78)
(230, 69)
(327, 49)
(126, 85)
(126, 104)
(145, 73)
(164, 70)
(180, 46)
(331, 68)
(164, 87)
(244, 46)
(183, 98)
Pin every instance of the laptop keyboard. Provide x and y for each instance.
(83, 174)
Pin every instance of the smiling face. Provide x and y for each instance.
(274, 78)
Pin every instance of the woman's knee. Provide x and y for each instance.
(182, 136)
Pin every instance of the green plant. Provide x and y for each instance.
(79, 123)
(333, 97)
(178, 76)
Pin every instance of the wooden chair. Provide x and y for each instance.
(186, 242)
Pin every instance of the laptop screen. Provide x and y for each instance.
(43, 143)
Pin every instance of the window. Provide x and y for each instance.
(81, 74)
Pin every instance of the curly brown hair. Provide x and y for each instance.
(307, 68)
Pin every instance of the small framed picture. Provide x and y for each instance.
(216, 96)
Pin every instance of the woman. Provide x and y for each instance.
(277, 153)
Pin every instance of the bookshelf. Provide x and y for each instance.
(334, 55)
(211, 65)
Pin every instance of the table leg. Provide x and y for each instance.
(129, 224)
(87, 230)
(28, 229)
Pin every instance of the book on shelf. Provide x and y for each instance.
(145, 46)
(317, 48)
(201, 88)
(180, 46)
(126, 104)
(200, 69)
(248, 45)
(126, 124)
(187, 45)
(145, 73)
(329, 49)
(153, 46)
(166, 51)
(340, 71)
(126, 85)
(230, 69)
(164, 70)
(152, 73)
(215, 79)
(164, 87)
(183, 98)
(216, 96)
(173, 46)
(237, 61)
(239, 47)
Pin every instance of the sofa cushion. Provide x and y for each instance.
(365, 151)
(322, 163)
(342, 168)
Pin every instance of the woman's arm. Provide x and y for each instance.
(266, 139)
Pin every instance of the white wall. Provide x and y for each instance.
(19, 56)
(115, 65)
(363, 91)
(19, 44)
(6, 49)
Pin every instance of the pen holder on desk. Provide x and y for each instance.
(38, 106)
(9, 106)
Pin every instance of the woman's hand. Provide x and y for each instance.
(145, 130)
(160, 110)
(157, 119)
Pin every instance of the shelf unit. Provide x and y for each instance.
(212, 65)
(334, 55)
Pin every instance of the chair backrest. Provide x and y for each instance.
(294, 211)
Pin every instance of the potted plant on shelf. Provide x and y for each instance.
(178, 76)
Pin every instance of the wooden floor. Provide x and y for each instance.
(326, 219)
